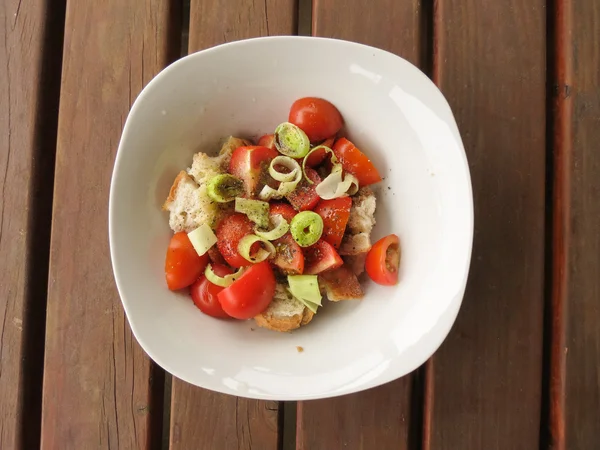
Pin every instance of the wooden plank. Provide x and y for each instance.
(484, 384)
(211, 23)
(97, 380)
(228, 422)
(380, 417)
(29, 86)
(575, 349)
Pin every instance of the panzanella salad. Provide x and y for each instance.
(264, 231)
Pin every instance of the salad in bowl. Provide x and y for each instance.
(264, 230)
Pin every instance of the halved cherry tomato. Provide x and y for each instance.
(305, 196)
(317, 157)
(320, 257)
(215, 255)
(251, 165)
(335, 214)
(355, 162)
(183, 265)
(204, 293)
(289, 257)
(230, 232)
(318, 118)
(285, 210)
(268, 140)
(250, 294)
(383, 260)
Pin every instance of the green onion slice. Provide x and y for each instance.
(291, 164)
(285, 187)
(280, 227)
(334, 160)
(290, 140)
(306, 228)
(225, 281)
(256, 210)
(246, 244)
(306, 289)
(224, 188)
(337, 185)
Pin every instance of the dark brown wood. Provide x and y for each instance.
(212, 23)
(484, 389)
(575, 351)
(97, 380)
(207, 420)
(29, 81)
(381, 417)
(228, 422)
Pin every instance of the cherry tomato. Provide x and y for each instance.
(355, 162)
(183, 265)
(335, 214)
(305, 197)
(285, 210)
(318, 156)
(320, 257)
(230, 232)
(383, 260)
(215, 256)
(251, 165)
(250, 294)
(204, 293)
(289, 256)
(268, 140)
(318, 118)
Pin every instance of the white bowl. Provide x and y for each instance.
(396, 115)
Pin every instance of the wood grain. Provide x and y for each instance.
(212, 24)
(575, 350)
(484, 387)
(381, 417)
(97, 380)
(207, 420)
(201, 419)
(29, 81)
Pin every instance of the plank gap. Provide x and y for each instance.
(39, 223)
(185, 28)
(305, 17)
(287, 425)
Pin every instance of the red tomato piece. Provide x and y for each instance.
(383, 260)
(268, 140)
(305, 196)
(251, 165)
(229, 233)
(289, 256)
(183, 265)
(335, 214)
(250, 294)
(285, 210)
(356, 162)
(205, 294)
(320, 257)
(318, 156)
(317, 117)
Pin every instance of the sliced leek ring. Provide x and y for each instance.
(280, 227)
(246, 244)
(225, 281)
(290, 140)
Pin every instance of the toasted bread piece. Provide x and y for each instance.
(188, 201)
(285, 313)
(205, 167)
(356, 263)
(357, 238)
(190, 206)
(341, 284)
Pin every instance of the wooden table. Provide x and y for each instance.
(521, 367)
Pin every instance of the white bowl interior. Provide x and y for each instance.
(396, 116)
